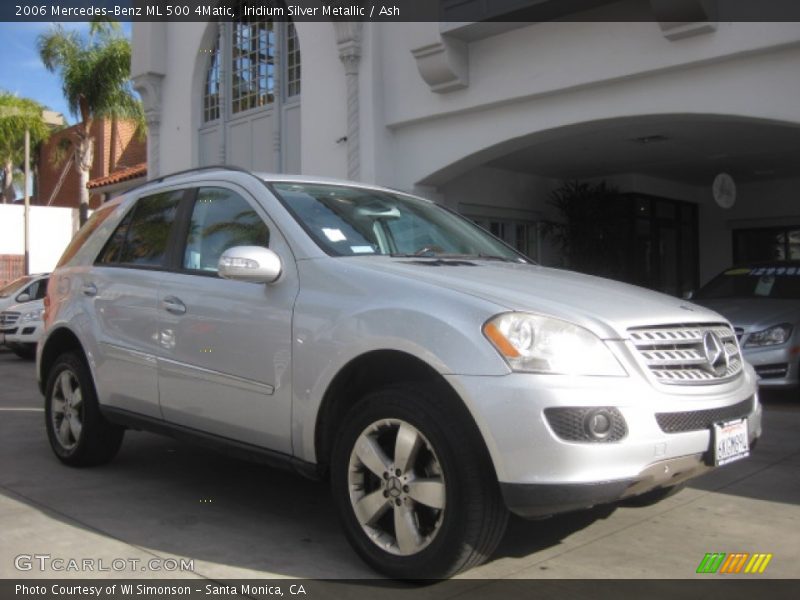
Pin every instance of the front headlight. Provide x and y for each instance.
(34, 315)
(536, 344)
(772, 336)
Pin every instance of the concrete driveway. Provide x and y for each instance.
(162, 499)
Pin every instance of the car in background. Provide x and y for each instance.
(26, 330)
(27, 288)
(762, 301)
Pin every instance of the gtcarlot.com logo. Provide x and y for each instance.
(46, 562)
(735, 562)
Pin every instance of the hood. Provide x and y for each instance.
(606, 307)
(25, 307)
(755, 314)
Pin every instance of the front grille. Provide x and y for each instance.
(8, 318)
(676, 354)
(11, 331)
(569, 423)
(696, 420)
(775, 371)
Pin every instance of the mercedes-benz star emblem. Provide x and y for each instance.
(394, 488)
(716, 356)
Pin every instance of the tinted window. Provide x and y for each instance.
(221, 219)
(113, 249)
(148, 233)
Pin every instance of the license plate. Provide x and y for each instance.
(730, 441)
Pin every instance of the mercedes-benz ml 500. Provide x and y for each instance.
(436, 376)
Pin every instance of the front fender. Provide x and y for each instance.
(332, 327)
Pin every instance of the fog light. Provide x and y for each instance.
(594, 424)
(598, 424)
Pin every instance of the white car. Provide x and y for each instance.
(22, 326)
(21, 291)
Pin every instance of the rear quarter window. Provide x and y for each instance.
(95, 221)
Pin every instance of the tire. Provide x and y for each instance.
(25, 351)
(653, 496)
(450, 522)
(86, 439)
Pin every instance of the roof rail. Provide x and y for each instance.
(198, 169)
(187, 171)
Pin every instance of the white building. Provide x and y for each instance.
(490, 118)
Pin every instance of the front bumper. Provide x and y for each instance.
(541, 473)
(25, 333)
(776, 366)
(536, 500)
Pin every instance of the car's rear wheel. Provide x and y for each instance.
(78, 433)
(414, 486)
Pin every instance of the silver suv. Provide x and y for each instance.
(435, 375)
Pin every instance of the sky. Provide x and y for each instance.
(22, 71)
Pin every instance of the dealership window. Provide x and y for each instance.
(522, 235)
(661, 249)
(766, 244)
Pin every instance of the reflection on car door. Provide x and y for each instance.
(225, 345)
(121, 290)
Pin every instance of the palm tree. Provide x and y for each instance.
(95, 78)
(16, 116)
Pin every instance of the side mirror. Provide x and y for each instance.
(688, 295)
(255, 264)
(24, 297)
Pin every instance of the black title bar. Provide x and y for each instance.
(402, 10)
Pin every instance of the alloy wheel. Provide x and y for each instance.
(397, 487)
(66, 410)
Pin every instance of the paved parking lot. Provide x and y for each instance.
(166, 499)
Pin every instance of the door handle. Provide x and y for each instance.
(174, 305)
(89, 289)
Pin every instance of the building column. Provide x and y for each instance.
(149, 87)
(348, 39)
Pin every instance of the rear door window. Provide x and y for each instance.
(142, 238)
(147, 237)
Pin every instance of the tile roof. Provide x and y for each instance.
(120, 175)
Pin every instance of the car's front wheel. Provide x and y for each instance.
(78, 432)
(415, 488)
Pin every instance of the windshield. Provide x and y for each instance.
(14, 286)
(781, 282)
(347, 221)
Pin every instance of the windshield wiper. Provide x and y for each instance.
(494, 257)
(458, 257)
